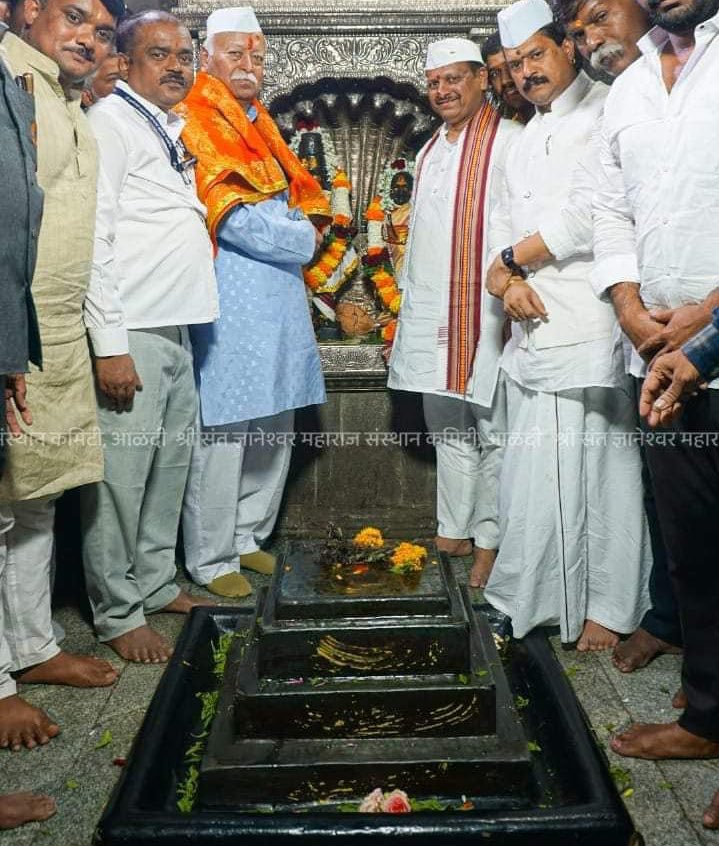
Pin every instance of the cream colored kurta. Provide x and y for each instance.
(61, 449)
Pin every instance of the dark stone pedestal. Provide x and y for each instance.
(360, 459)
(401, 688)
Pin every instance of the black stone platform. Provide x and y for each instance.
(571, 799)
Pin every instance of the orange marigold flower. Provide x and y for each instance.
(388, 332)
(395, 304)
(324, 265)
(375, 210)
(341, 180)
(407, 558)
(342, 220)
(374, 251)
(369, 538)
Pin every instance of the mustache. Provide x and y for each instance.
(87, 53)
(532, 81)
(240, 74)
(173, 77)
(605, 53)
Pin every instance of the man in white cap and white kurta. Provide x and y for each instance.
(259, 361)
(449, 337)
(574, 545)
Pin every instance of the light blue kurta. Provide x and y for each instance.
(260, 357)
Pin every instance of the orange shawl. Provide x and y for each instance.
(238, 160)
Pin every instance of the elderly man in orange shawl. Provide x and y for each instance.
(259, 361)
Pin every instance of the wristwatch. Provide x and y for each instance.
(507, 256)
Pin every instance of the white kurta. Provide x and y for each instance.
(419, 353)
(465, 427)
(573, 538)
(658, 196)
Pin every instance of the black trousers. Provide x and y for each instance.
(685, 477)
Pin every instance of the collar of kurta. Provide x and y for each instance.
(657, 37)
(21, 55)
(240, 161)
(570, 98)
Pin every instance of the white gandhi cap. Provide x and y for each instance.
(451, 50)
(234, 19)
(521, 20)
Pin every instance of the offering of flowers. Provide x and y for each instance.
(377, 802)
(369, 553)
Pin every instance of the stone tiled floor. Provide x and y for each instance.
(666, 802)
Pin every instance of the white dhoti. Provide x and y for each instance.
(574, 543)
(26, 551)
(468, 441)
(237, 477)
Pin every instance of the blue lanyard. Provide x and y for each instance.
(178, 164)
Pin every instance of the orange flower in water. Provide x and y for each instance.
(408, 558)
(369, 538)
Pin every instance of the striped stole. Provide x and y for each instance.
(465, 290)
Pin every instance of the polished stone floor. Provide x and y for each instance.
(665, 799)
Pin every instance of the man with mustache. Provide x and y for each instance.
(503, 92)
(62, 43)
(449, 336)
(259, 361)
(605, 32)
(656, 241)
(561, 559)
(152, 276)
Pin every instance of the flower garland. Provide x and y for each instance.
(338, 259)
(377, 268)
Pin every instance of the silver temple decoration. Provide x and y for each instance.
(358, 69)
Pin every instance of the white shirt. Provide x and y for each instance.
(657, 214)
(419, 353)
(548, 185)
(152, 264)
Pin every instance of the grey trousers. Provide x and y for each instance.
(130, 520)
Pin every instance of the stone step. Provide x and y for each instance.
(429, 706)
(253, 770)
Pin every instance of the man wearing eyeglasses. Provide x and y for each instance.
(449, 336)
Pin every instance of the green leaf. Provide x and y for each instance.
(72, 784)
(105, 739)
(570, 672)
(666, 785)
(533, 746)
(463, 679)
(521, 702)
(428, 805)
(481, 673)
(622, 778)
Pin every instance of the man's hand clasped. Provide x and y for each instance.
(672, 380)
(521, 301)
(674, 326)
(118, 380)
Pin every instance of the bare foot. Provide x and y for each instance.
(142, 645)
(20, 808)
(639, 649)
(664, 740)
(679, 700)
(456, 548)
(69, 669)
(596, 638)
(22, 724)
(711, 815)
(481, 567)
(184, 602)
